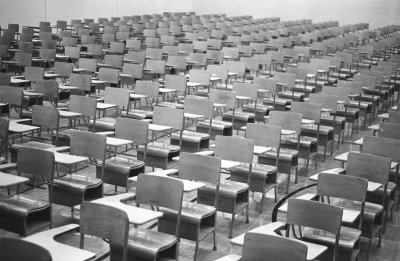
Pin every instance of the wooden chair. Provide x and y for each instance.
(164, 193)
(194, 109)
(374, 169)
(160, 155)
(245, 93)
(258, 246)
(22, 214)
(349, 193)
(71, 189)
(263, 177)
(82, 81)
(63, 69)
(176, 63)
(289, 148)
(106, 222)
(119, 169)
(198, 220)
(149, 91)
(233, 196)
(11, 250)
(178, 83)
(307, 213)
(309, 141)
(13, 97)
(110, 76)
(389, 130)
(50, 90)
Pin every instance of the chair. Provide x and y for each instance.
(195, 109)
(10, 249)
(63, 69)
(349, 193)
(110, 76)
(197, 79)
(71, 189)
(160, 155)
(290, 122)
(82, 81)
(307, 213)
(233, 196)
(149, 91)
(375, 169)
(197, 220)
(263, 177)
(22, 214)
(164, 193)
(389, 130)
(308, 141)
(119, 169)
(258, 246)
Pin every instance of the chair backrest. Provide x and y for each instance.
(132, 129)
(389, 130)
(88, 144)
(24, 58)
(220, 71)
(160, 191)
(178, 62)
(114, 60)
(199, 106)
(199, 168)
(177, 82)
(223, 97)
(236, 67)
(371, 167)
(117, 96)
(326, 101)
(168, 116)
(310, 111)
(342, 93)
(385, 147)
(82, 104)
(355, 87)
(234, 149)
(109, 75)
(287, 120)
(287, 79)
(154, 53)
(64, 69)
(34, 73)
(148, 88)
(11, 95)
(309, 213)
(266, 135)
(88, 64)
(36, 162)
(107, 222)
(258, 246)
(82, 81)
(48, 54)
(268, 84)
(136, 70)
(156, 66)
(246, 89)
(45, 116)
(14, 249)
(199, 76)
(366, 80)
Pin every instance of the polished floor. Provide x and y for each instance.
(389, 251)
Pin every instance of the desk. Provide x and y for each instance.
(18, 128)
(70, 115)
(157, 128)
(137, 216)
(100, 106)
(116, 142)
(7, 180)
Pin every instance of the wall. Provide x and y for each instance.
(376, 12)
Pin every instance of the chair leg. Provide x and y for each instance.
(196, 248)
(231, 228)
(276, 194)
(215, 239)
(315, 158)
(323, 160)
(247, 213)
(308, 162)
(262, 202)
(368, 248)
(287, 184)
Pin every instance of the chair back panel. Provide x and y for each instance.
(148, 88)
(88, 64)
(168, 116)
(159, 191)
(371, 167)
(36, 162)
(48, 88)
(199, 168)
(106, 222)
(199, 106)
(342, 186)
(13, 249)
(380, 146)
(287, 120)
(394, 117)
(355, 87)
(82, 81)
(389, 130)
(88, 144)
(224, 97)
(177, 82)
(198, 76)
(64, 69)
(5, 78)
(117, 96)
(109, 75)
(34, 73)
(11, 95)
(310, 111)
(132, 129)
(266, 84)
(246, 89)
(342, 93)
(258, 246)
(45, 116)
(314, 214)
(83, 104)
(264, 134)
(234, 149)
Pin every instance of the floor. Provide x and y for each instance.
(390, 249)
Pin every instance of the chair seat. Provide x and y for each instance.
(258, 171)
(259, 109)
(323, 130)
(278, 101)
(298, 96)
(148, 243)
(216, 125)
(107, 124)
(171, 105)
(76, 182)
(284, 154)
(138, 114)
(347, 241)
(192, 213)
(19, 205)
(227, 188)
(161, 150)
(239, 116)
(122, 166)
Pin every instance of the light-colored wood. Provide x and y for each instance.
(310, 111)
(234, 149)
(246, 90)
(148, 88)
(7, 180)
(117, 96)
(132, 129)
(389, 130)
(84, 105)
(314, 214)
(258, 246)
(326, 100)
(199, 106)
(371, 167)
(228, 98)
(199, 168)
(168, 117)
(82, 81)
(394, 117)
(287, 120)
(264, 134)
(45, 116)
(88, 144)
(384, 147)
(59, 251)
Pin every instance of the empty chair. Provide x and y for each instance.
(11, 250)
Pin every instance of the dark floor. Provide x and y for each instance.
(390, 249)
